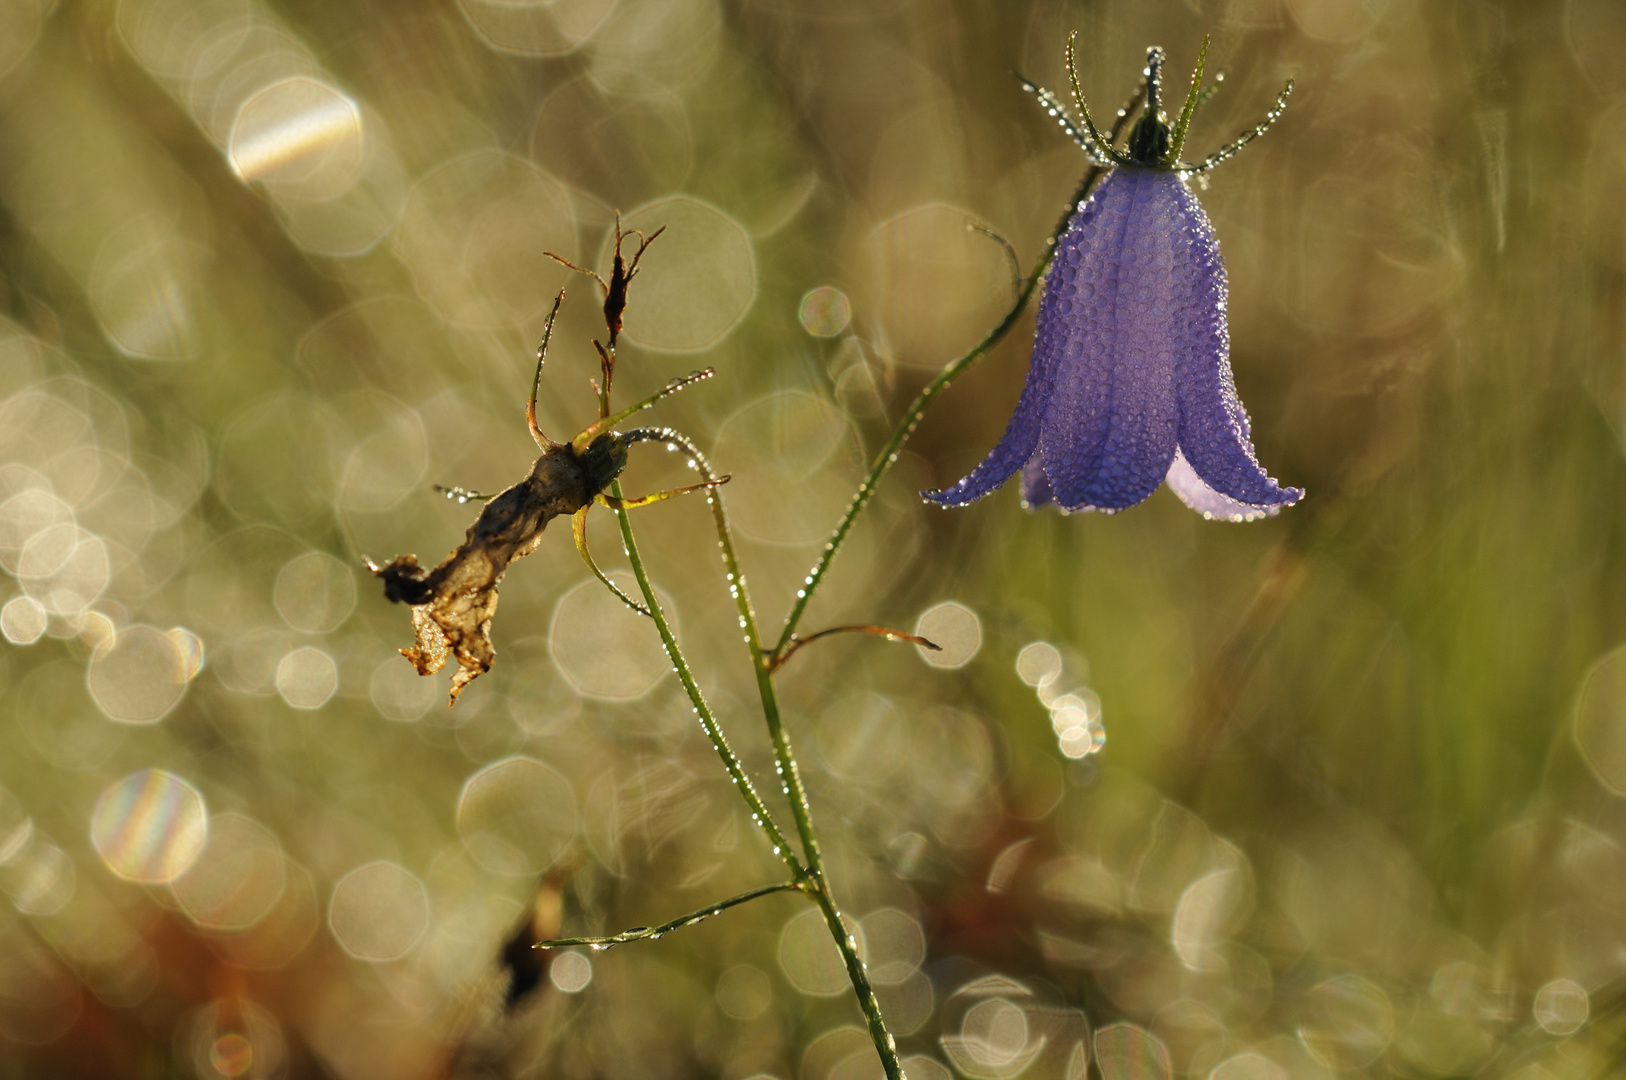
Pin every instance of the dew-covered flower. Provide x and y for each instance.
(1130, 381)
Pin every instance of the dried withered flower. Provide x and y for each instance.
(452, 605)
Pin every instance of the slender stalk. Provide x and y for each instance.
(708, 720)
(858, 975)
(917, 408)
(640, 933)
(790, 777)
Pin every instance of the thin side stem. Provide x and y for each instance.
(640, 933)
(708, 721)
(878, 631)
(917, 408)
(585, 439)
(790, 776)
(578, 528)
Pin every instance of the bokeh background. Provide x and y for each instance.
(1334, 794)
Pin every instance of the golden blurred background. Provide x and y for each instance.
(1335, 794)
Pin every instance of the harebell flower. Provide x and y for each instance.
(1130, 382)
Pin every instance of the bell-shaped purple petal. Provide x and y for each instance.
(1130, 382)
(1214, 434)
(1184, 482)
(1110, 428)
(1014, 448)
(1021, 436)
(1035, 484)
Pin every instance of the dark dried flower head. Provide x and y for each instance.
(452, 604)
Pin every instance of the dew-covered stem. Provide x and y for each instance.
(708, 720)
(912, 415)
(643, 933)
(885, 1045)
(790, 779)
(816, 885)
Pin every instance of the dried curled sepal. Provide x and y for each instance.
(452, 604)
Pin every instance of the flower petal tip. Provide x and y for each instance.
(953, 497)
(1192, 490)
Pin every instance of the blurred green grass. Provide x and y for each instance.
(270, 271)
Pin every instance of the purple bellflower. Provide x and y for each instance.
(1130, 382)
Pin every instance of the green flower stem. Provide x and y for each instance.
(917, 408)
(708, 720)
(817, 885)
(790, 777)
(643, 932)
(885, 1045)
